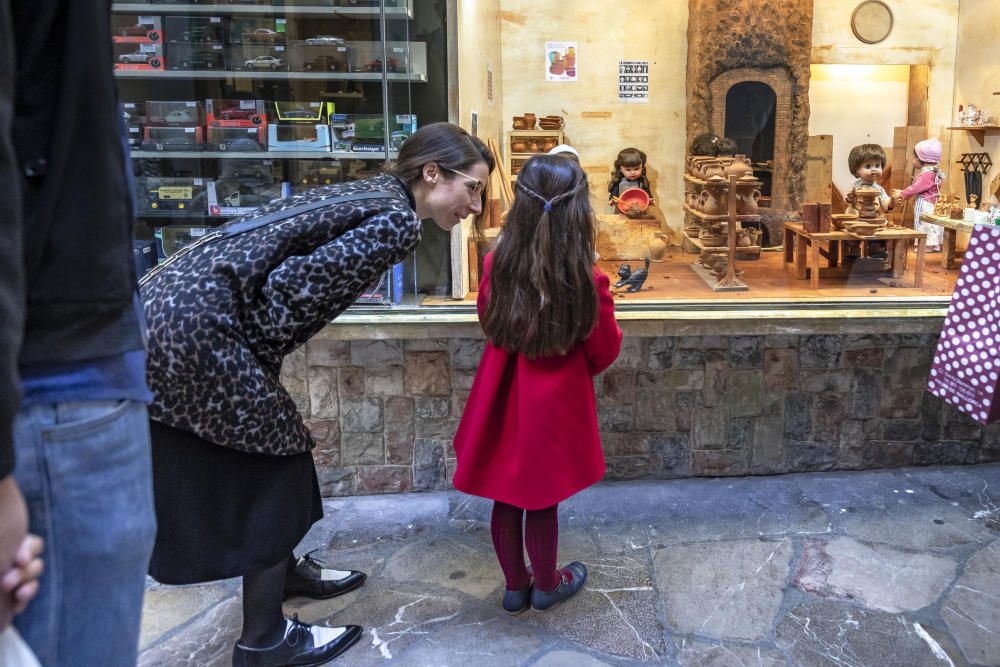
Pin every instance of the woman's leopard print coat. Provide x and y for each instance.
(223, 315)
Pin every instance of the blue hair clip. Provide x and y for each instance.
(548, 206)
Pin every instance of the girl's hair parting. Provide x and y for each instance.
(542, 297)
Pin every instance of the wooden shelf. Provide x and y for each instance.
(979, 132)
(283, 75)
(720, 218)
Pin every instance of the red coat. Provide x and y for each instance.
(528, 436)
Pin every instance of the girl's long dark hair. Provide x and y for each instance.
(542, 297)
(629, 157)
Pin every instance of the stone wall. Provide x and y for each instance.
(384, 412)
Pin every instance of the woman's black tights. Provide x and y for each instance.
(263, 622)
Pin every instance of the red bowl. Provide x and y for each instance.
(633, 199)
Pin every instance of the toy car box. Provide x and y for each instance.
(170, 196)
(260, 171)
(256, 30)
(388, 290)
(306, 174)
(234, 197)
(366, 133)
(322, 53)
(173, 139)
(174, 114)
(194, 30)
(194, 57)
(235, 113)
(138, 56)
(299, 137)
(368, 57)
(133, 29)
(172, 238)
(303, 112)
(144, 256)
(237, 139)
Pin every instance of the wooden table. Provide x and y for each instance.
(803, 251)
(951, 229)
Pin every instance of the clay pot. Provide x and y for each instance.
(697, 164)
(713, 197)
(519, 123)
(739, 167)
(658, 246)
(712, 240)
(529, 121)
(548, 144)
(867, 203)
(534, 146)
(519, 147)
(692, 231)
(691, 198)
(746, 237)
(711, 168)
(747, 196)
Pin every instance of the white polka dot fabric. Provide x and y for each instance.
(967, 361)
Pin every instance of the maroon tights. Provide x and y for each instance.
(540, 537)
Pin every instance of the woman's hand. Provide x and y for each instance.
(20, 583)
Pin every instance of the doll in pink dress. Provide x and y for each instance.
(927, 186)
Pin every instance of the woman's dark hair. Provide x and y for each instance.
(629, 157)
(542, 297)
(446, 144)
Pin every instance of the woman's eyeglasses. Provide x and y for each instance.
(477, 189)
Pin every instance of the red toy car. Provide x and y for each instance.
(236, 112)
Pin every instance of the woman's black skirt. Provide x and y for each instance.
(223, 513)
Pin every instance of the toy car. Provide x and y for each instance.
(199, 33)
(236, 112)
(325, 39)
(247, 169)
(324, 63)
(376, 66)
(180, 116)
(321, 176)
(264, 62)
(135, 57)
(203, 60)
(240, 144)
(140, 30)
(298, 113)
(263, 35)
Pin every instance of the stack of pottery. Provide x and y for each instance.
(551, 122)
(747, 194)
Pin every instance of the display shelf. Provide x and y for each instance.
(373, 77)
(719, 284)
(397, 13)
(979, 132)
(538, 136)
(263, 155)
(750, 217)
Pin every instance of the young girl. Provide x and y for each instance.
(927, 185)
(528, 438)
(629, 172)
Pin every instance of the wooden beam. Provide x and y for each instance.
(916, 104)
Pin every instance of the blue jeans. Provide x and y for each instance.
(84, 469)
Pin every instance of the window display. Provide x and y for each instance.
(231, 105)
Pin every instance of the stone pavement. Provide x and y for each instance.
(877, 568)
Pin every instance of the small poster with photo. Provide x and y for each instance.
(560, 61)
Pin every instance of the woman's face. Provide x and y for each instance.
(450, 196)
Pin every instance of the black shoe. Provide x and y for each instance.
(310, 579)
(302, 645)
(568, 587)
(514, 602)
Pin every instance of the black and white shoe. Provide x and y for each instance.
(302, 645)
(308, 578)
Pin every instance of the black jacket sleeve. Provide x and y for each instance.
(12, 297)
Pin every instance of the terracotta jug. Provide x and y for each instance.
(658, 246)
(713, 197)
(739, 167)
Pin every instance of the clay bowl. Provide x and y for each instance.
(692, 231)
(713, 240)
(861, 228)
(838, 220)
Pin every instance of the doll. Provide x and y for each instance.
(629, 172)
(927, 185)
(866, 162)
